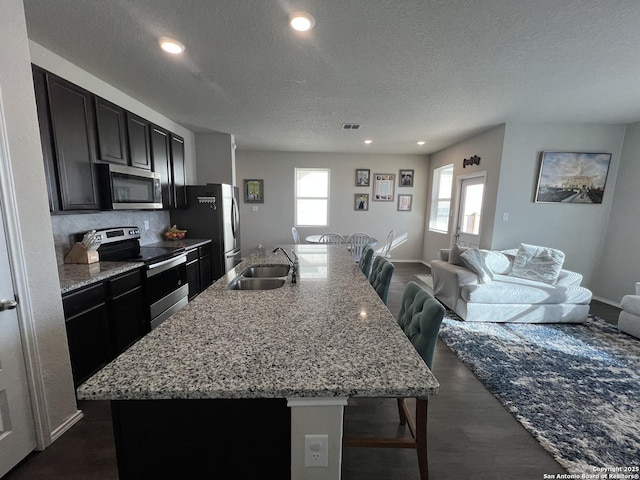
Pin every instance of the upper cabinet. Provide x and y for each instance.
(79, 129)
(66, 116)
(178, 180)
(112, 133)
(139, 131)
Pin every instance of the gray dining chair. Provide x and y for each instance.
(380, 276)
(332, 238)
(365, 260)
(356, 242)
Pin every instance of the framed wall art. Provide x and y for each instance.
(254, 191)
(362, 177)
(361, 202)
(383, 184)
(404, 202)
(406, 178)
(572, 177)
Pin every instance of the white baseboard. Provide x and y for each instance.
(66, 425)
(604, 300)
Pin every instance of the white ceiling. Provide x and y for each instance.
(407, 70)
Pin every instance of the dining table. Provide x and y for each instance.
(316, 239)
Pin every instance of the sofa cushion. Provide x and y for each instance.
(474, 261)
(537, 263)
(454, 254)
(498, 262)
(515, 290)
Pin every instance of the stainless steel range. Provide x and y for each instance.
(165, 273)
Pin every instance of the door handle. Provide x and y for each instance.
(7, 304)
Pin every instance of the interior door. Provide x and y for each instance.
(17, 432)
(469, 211)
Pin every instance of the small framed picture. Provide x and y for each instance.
(406, 178)
(404, 202)
(362, 177)
(361, 202)
(383, 184)
(254, 191)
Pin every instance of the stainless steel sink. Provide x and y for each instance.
(248, 283)
(266, 271)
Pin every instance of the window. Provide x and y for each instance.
(441, 198)
(312, 196)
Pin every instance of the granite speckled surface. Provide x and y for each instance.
(73, 276)
(329, 335)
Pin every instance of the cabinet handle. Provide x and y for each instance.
(7, 304)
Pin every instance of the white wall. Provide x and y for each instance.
(576, 229)
(271, 223)
(619, 262)
(25, 153)
(215, 158)
(488, 146)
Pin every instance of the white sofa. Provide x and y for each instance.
(629, 319)
(508, 298)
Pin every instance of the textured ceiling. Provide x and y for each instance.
(407, 70)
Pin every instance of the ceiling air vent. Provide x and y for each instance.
(350, 126)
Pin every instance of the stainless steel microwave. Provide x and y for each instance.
(128, 188)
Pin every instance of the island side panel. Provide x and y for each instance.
(240, 438)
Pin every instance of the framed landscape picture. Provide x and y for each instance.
(362, 177)
(254, 191)
(361, 202)
(572, 177)
(383, 184)
(404, 202)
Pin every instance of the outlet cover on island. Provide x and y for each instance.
(254, 208)
(316, 450)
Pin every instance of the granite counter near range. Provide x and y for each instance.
(73, 275)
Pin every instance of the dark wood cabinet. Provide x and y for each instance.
(178, 181)
(87, 325)
(160, 161)
(199, 269)
(193, 272)
(127, 306)
(103, 320)
(138, 130)
(112, 133)
(67, 124)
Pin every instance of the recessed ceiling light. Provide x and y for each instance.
(171, 46)
(421, 142)
(301, 21)
(368, 141)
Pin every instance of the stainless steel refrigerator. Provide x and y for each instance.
(212, 211)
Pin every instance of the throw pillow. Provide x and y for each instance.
(537, 263)
(474, 260)
(454, 254)
(498, 262)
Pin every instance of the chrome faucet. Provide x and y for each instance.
(292, 263)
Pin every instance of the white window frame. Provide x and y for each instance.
(436, 199)
(297, 197)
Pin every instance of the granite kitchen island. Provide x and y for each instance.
(231, 383)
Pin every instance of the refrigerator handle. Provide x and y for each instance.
(234, 216)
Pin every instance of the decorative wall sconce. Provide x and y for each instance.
(475, 160)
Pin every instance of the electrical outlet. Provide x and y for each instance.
(505, 216)
(146, 224)
(316, 450)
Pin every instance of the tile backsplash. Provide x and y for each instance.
(64, 226)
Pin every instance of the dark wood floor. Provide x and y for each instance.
(471, 436)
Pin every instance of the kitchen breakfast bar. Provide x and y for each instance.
(229, 386)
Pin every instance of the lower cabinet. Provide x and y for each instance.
(199, 269)
(103, 320)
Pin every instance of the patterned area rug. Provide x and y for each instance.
(426, 278)
(575, 388)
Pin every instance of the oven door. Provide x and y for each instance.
(167, 288)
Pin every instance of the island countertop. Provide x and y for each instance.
(328, 335)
